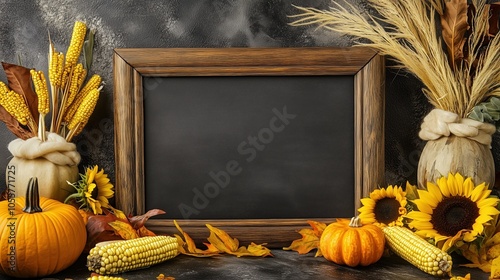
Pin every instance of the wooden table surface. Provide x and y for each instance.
(284, 265)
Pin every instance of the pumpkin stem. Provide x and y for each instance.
(355, 222)
(32, 197)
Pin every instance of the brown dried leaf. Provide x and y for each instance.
(14, 126)
(454, 26)
(99, 230)
(494, 19)
(138, 221)
(19, 79)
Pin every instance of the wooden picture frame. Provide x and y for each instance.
(131, 65)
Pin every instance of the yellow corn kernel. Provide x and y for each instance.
(76, 80)
(417, 251)
(41, 91)
(122, 256)
(103, 277)
(93, 83)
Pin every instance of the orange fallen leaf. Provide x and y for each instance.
(310, 239)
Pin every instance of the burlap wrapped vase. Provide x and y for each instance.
(54, 162)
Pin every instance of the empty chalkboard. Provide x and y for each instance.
(256, 141)
(250, 147)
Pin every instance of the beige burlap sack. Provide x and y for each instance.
(54, 162)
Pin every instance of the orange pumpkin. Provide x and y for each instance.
(350, 243)
(39, 236)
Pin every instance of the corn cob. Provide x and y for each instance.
(76, 81)
(122, 256)
(56, 69)
(41, 91)
(76, 43)
(15, 105)
(101, 277)
(83, 114)
(417, 251)
(92, 83)
(74, 49)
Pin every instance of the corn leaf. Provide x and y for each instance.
(310, 239)
(454, 26)
(19, 79)
(138, 221)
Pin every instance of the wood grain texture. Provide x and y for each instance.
(130, 65)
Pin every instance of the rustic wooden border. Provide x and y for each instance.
(131, 65)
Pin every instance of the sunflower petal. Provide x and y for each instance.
(419, 216)
(442, 186)
(421, 225)
(368, 202)
(488, 211)
(428, 198)
(487, 202)
(478, 192)
(452, 184)
(467, 187)
(423, 206)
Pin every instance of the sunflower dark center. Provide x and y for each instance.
(453, 214)
(95, 192)
(386, 210)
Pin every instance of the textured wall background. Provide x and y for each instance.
(190, 23)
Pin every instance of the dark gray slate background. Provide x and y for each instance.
(190, 23)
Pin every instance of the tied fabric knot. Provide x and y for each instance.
(439, 123)
(56, 149)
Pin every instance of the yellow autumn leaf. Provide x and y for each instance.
(221, 240)
(310, 239)
(495, 269)
(124, 230)
(188, 247)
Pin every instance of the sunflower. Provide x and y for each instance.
(452, 211)
(92, 190)
(384, 207)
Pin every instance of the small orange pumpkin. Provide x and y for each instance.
(39, 236)
(350, 243)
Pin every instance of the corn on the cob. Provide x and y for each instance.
(122, 256)
(41, 91)
(104, 277)
(76, 43)
(76, 80)
(82, 114)
(74, 50)
(92, 83)
(56, 69)
(15, 105)
(417, 251)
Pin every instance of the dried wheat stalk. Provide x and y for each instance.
(406, 31)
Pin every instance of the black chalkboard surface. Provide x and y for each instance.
(256, 141)
(252, 147)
